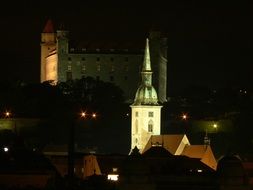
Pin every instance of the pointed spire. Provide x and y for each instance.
(49, 27)
(146, 62)
(146, 93)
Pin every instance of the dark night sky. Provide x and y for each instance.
(209, 43)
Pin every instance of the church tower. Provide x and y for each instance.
(146, 111)
(48, 43)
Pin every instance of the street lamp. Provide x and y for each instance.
(184, 117)
(85, 115)
(94, 115)
(7, 114)
(6, 149)
(215, 126)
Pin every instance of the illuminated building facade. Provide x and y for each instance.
(146, 111)
(119, 65)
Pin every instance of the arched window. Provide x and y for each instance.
(136, 126)
(150, 126)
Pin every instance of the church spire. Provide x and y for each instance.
(146, 68)
(146, 62)
(146, 93)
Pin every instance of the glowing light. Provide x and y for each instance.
(83, 114)
(215, 125)
(94, 115)
(199, 170)
(7, 114)
(6, 149)
(113, 177)
(184, 116)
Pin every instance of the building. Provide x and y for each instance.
(21, 168)
(156, 169)
(119, 64)
(146, 123)
(232, 173)
(146, 111)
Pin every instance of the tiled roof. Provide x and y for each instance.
(49, 27)
(170, 142)
(195, 151)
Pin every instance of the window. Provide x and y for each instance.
(98, 59)
(83, 69)
(83, 59)
(150, 126)
(136, 114)
(111, 78)
(69, 58)
(98, 67)
(151, 114)
(112, 59)
(69, 75)
(69, 67)
(126, 59)
(136, 140)
(112, 68)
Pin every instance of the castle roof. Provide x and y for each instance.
(106, 46)
(49, 27)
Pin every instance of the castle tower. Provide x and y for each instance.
(146, 111)
(48, 43)
(62, 53)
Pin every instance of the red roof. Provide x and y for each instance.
(49, 27)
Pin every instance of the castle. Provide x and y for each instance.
(60, 61)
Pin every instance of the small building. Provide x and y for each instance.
(178, 144)
(157, 168)
(22, 168)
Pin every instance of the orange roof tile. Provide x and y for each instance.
(195, 151)
(169, 142)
